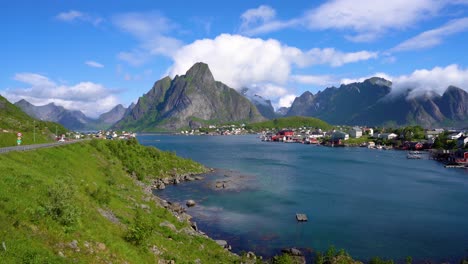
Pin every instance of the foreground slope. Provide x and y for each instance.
(79, 204)
(191, 100)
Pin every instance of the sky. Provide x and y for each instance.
(93, 55)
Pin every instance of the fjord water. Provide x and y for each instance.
(368, 202)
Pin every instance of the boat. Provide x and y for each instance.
(413, 156)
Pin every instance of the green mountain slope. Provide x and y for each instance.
(13, 120)
(191, 100)
(78, 204)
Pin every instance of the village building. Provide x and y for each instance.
(462, 141)
(455, 136)
(355, 132)
(431, 134)
(339, 135)
(387, 136)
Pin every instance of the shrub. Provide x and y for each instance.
(141, 228)
(60, 204)
(100, 194)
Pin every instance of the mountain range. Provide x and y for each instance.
(72, 119)
(372, 103)
(189, 101)
(196, 99)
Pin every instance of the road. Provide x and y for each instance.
(36, 146)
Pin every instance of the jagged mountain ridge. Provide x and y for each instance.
(371, 103)
(71, 119)
(191, 100)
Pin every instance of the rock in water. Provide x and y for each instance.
(190, 203)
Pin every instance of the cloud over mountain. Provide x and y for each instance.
(91, 98)
(241, 61)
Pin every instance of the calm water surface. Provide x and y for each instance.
(369, 202)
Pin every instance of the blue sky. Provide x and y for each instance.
(92, 55)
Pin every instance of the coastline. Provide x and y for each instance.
(179, 210)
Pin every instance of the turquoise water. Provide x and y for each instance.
(369, 202)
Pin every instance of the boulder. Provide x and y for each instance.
(251, 255)
(219, 185)
(194, 225)
(292, 251)
(190, 203)
(222, 243)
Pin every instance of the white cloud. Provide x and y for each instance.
(241, 61)
(320, 80)
(334, 57)
(286, 101)
(433, 37)
(262, 20)
(435, 80)
(370, 18)
(74, 15)
(361, 79)
(94, 64)
(363, 20)
(263, 13)
(70, 15)
(150, 29)
(91, 98)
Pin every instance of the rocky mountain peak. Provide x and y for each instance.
(379, 81)
(200, 72)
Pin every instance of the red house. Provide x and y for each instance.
(282, 134)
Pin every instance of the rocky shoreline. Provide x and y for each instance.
(178, 210)
(233, 181)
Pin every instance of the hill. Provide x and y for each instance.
(79, 204)
(290, 122)
(13, 120)
(191, 100)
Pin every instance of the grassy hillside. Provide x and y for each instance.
(291, 122)
(13, 120)
(78, 204)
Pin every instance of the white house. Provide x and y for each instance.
(433, 133)
(355, 132)
(455, 135)
(387, 136)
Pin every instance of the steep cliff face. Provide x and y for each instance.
(190, 100)
(370, 103)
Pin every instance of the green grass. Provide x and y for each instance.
(50, 197)
(290, 122)
(357, 141)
